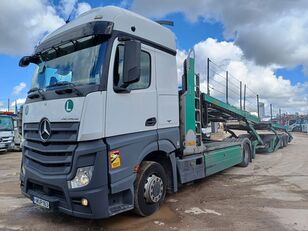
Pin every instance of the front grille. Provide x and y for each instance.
(54, 156)
(61, 132)
(51, 191)
(6, 140)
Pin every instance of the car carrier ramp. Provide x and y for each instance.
(199, 109)
(219, 111)
(227, 111)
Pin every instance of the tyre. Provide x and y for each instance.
(246, 156)
(150, 188)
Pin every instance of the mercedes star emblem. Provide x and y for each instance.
(45, 129)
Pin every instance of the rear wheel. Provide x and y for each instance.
(246, 156)
(150, 188)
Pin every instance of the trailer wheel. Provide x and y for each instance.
(246, 156)
(150, 188)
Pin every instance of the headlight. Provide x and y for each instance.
(22, 170)
(82, 178)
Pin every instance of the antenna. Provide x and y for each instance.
(165, 22)
(69, 17)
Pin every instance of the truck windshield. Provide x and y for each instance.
(6, 123)
(78, 62)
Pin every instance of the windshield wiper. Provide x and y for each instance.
(69, 88)
(35, 93)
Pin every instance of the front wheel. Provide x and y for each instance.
(150, 188)
(246, 156)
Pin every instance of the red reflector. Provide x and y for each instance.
(136, 168)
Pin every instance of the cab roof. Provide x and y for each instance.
(124, 21)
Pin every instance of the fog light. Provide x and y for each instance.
(84, 202)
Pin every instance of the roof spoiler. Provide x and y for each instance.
(165, 22)
(75, 33)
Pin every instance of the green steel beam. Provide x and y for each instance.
(232, 110)
(190, 96)
(283, 128)
(276, 144)
(255, 133)
(278, 126)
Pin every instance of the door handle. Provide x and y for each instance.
(150, 122)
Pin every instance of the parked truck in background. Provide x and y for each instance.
(298, 125)
(105, 128)
(10, 135)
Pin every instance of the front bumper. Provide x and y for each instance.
(6, 145)
(70, 202)
(54, 187)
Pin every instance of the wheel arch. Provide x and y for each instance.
(163, 159)
(165, 156)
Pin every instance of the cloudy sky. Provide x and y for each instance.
(261, 43)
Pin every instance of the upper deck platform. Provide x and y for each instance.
(230, 110)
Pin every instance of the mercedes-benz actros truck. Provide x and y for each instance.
(106, 129)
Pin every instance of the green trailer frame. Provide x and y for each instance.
(200, 109)
(261, 143)
(201, 156)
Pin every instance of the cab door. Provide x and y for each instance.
(136, 110)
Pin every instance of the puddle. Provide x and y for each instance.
(197, 211)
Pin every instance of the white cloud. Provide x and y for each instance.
(268, 32)
(66, 7)
(228, 56)
(82, 8)
(180, 57)
(3, 106)
(124, 4)
(25, 23)
(17, 89)
(71, 8)
(19, 102)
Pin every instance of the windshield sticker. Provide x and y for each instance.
(54, 76)
(42, 67)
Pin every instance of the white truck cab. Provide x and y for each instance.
(7, 132)
(104, 99)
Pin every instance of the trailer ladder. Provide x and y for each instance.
(198, 111)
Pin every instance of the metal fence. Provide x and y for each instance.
(222, 85)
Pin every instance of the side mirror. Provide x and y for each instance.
(25, 61)
(132, 56)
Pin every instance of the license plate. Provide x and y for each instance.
(41, 202)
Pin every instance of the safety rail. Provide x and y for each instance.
(224, 86)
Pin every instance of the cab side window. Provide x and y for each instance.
(145, 75)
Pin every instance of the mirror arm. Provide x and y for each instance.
(124, 39)
(121, 89)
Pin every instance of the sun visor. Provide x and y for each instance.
(78, 32)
